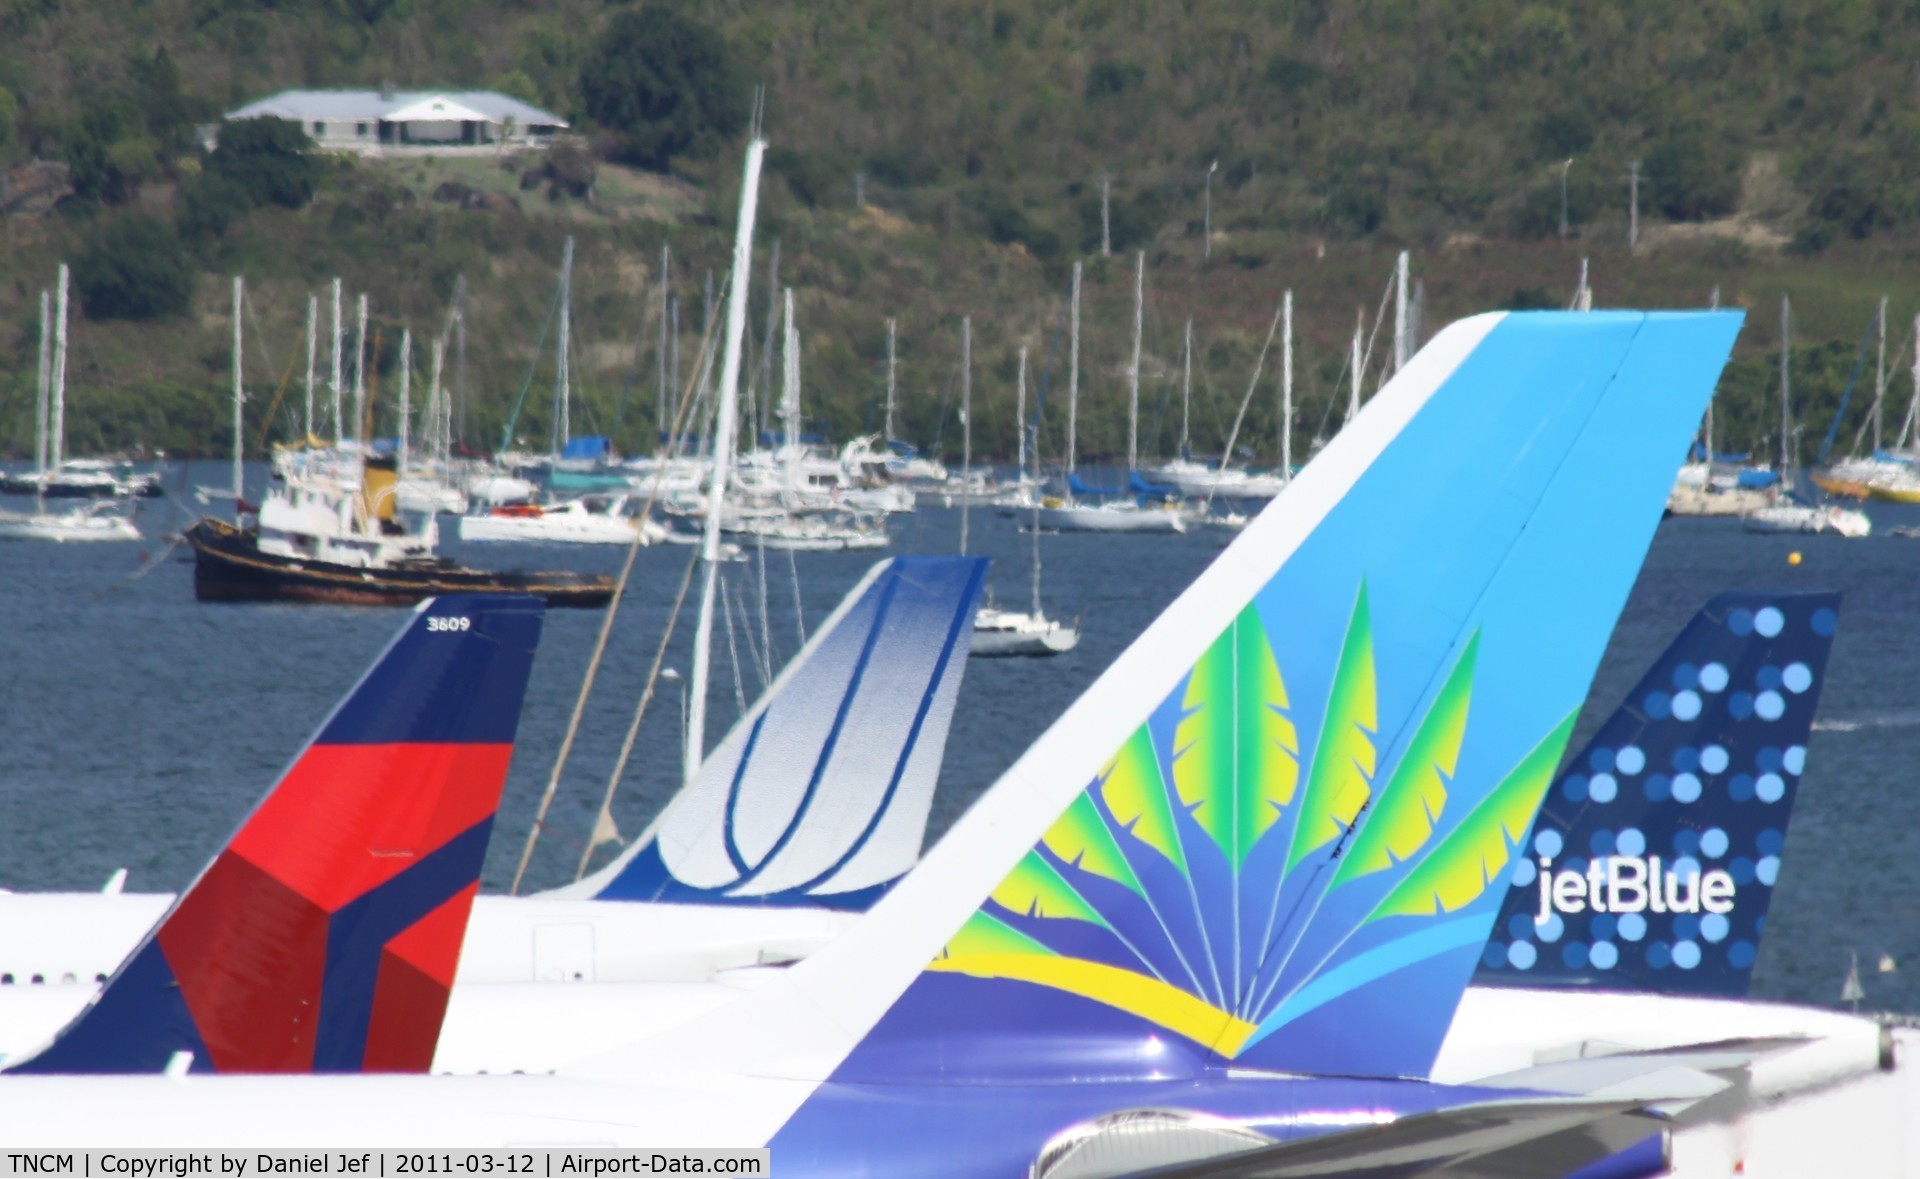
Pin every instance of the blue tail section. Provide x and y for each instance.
(323, 937)
(819, 796)
(1274, 834)
(1655, 855)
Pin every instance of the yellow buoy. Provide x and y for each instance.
(1793, 558)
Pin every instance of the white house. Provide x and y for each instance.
(377, 121)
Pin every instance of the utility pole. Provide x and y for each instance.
(1206, 224)
(1563, 197)
(1106, 219)
(859, 190)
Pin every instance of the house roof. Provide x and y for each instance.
(398, 106)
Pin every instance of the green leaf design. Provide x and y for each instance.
(1080, 837)
(1035, 889)
(1341, 779)
(1238, 761)
(1476, 853)
(1136, 796)
(1410, 804)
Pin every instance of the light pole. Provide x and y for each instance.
(1206, 223)
(1563, 197)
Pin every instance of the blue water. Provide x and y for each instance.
(140, 725)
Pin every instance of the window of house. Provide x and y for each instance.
(360, 129)
(319, 128)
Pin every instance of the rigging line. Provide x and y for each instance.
(733, 648)
(599, 649)
(533, 365)
(1379, 317)
(1260, 362)
(1859, 435)
(754, 659)
(766, 633)
(799, 616)
(266, 419)
(640, 710)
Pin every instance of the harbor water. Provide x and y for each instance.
(138, 726)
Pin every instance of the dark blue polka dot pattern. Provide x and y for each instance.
(1674, 817)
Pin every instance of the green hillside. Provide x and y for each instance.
(1771, 137)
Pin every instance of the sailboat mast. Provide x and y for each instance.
(789, 374)
(725, 426)
(1400, 351)
(765, 420)
(406, 400)
(1880, 373)
(1786, 411)
(1020, 413)
(313, 353)
(1353, 392)
(57, 420)
(439, 407)
(1186, 391)
(562, 378)
(339, 427)
(1133, 370)
(1286, 387)
(660, 359)
(888, 427)
(239, 395)
(1073, 371)
(360, 377)
(966, 422)
(43, 387)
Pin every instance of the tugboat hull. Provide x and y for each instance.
(228, 566)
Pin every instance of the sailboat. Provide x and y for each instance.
(1122, 513)
(103, 520)
(1010, 632)
(319, 538)
(1787, 515)
(1206, 480)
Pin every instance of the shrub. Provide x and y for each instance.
(135, 267)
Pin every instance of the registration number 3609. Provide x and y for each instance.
(442, 625)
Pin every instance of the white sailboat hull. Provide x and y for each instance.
(547, 530)
(1199, 480)
(1801, 519)
(68, 527)
(1004, 633)
(1114, 517)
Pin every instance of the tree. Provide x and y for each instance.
(134, 267)
(271, 160)
(666, 83)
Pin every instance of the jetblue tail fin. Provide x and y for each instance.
(323, 937)
(1655, 855)
(820, 794)
(1269, 835)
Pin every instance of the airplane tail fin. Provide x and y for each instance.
(324, 935)
(819, 795)
(1270, 835)
(1655, 854)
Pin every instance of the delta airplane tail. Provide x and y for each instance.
(323, 937)
(1270, 836)
(819, 795)
(1654, 857)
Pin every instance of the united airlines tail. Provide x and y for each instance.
(323, 937)
(1271, 835)
(819, 795)
(1656, 852)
